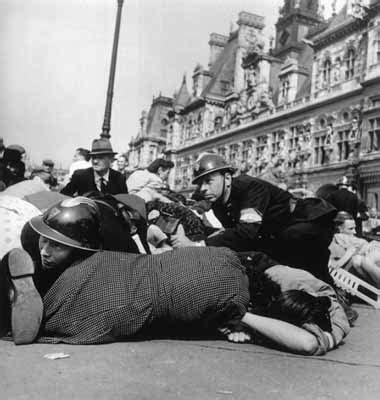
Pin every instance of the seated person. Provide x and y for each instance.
(354, 254)
(100, 296)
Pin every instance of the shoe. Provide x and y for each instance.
(25, 301)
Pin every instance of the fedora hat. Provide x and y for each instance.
(101, 146)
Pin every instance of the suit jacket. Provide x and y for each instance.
(83, 181)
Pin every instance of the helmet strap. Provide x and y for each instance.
(225, 192)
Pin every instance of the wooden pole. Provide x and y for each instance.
(108, 110)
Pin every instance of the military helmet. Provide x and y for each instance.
(74, 222)
(209, 163)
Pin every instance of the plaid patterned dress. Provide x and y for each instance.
(115, 296)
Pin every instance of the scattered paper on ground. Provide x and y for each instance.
(56, 356)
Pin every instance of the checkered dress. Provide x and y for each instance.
(114, 296)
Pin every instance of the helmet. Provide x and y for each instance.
(74, 222)
(209, 163)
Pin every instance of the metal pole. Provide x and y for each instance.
(107, 113)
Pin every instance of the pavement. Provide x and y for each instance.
(174, 369)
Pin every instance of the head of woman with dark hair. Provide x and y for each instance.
(345, 223)
(299, 307)
(161, 167)
(294, 306)
(326, 190)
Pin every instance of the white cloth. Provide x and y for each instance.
(80, 164)
(14, 214)
(141, 179)
(26, 188)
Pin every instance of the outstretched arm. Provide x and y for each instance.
(286, 335)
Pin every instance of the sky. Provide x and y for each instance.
(55, 58)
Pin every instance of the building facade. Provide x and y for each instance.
(150, 142)
(301, 109)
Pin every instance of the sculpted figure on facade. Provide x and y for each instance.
(253, 103)
(250, 77)
(280, 161)
(255, 41)
(337, 70)
(143, 121)
(354, 137)
(266, 102)
(265, 160)
(329, 145)
(209, 120)
(233, 108)
(242, 103)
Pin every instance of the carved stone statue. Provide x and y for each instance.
(282, 154)
(266, 102)
(242, 103)
(354, 137)
(337, 70)
(304, 149)
(251, 78)
(329, 144)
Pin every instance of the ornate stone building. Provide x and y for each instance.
(301, 109)
(150, 141)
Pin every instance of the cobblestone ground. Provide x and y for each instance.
(171, 369)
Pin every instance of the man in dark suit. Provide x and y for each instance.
(100, 176)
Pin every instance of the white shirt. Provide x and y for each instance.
(98, 179)
(80, 164)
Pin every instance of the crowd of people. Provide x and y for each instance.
(111, 255)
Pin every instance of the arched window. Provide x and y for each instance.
(327, 72)
(350, 64)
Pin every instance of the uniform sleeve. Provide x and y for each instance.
(238, 238)
(253, 206)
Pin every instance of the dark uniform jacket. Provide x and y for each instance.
(83, 182)
(257, 209)
(254, 207)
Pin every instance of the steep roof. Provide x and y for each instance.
(223, 69)
(337, 23)
(183, 96)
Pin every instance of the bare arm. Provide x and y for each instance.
(286, 335)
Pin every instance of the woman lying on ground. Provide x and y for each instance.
(102, 296)
(296, 296)
(354, 254)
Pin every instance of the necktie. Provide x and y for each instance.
(103, 187)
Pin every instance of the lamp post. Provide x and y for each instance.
(108, 110)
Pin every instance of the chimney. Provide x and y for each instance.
(216, 43)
